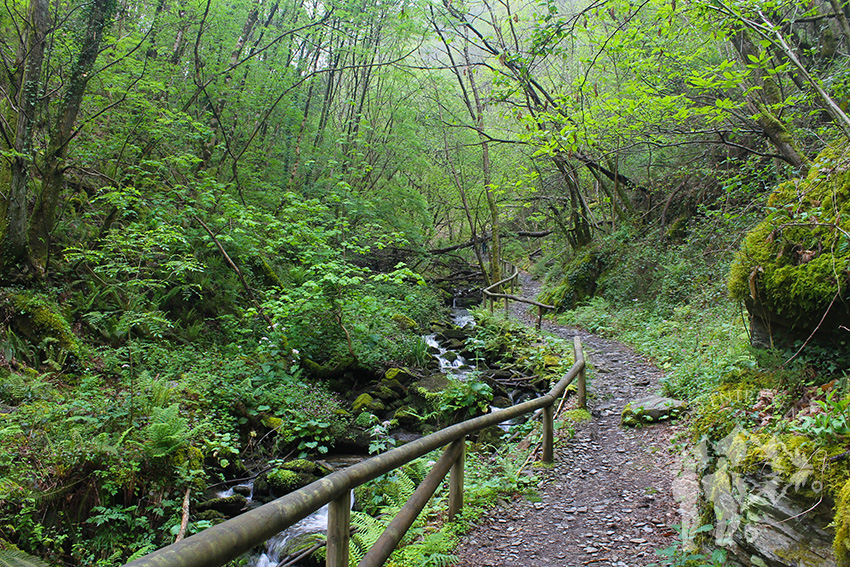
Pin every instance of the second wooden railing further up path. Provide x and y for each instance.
(493, 292)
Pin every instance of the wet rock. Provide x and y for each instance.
(262, 490)
(406, 416)
(435, 383)
(298, 545)
(764, 521)
(401, 437)
(501, 402)
(229, 506)
(651, 409)
(449, 334)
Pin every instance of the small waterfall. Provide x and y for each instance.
(314, 523)
(451, 363)
(462, 318)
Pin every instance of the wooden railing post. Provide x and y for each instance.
(339, 530)
(548, 435)
(582, 374)
(456, 483)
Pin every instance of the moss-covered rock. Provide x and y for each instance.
(228, 506)
(271, 422)
(652, 409)
(362, 403)
(403, 322)
(398, 375)
(302, 543)
(583, 273)
(841, 543)
(776, 499)
(40, 320)
(406, 416)
(368, 402)
(793, 269)
(678, 229)
(395, 385)
(210, 515)
(293, 475)
(282, 481)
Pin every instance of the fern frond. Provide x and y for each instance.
(367, 530)
(441, 560)
(13, 558)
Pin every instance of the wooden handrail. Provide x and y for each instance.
(513, 279)
(224, 542)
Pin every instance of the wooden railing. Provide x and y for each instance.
(493, 292)
(224, 542)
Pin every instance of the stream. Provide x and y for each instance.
(451, 363)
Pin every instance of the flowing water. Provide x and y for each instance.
(314, 523)
(452, 364)
(317, 522)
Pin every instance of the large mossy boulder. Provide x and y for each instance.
(581, 282)
(793, 268)
(40, 321)
(770, 500)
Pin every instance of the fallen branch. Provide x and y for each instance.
(236, 269)
(184, 523)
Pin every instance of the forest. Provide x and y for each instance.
(226, 226)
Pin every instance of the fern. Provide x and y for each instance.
(417, 548)
(166, 432)
(14, 558)
(367, 530)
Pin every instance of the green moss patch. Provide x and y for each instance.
(795, 265)
(580, 282)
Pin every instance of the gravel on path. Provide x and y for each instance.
(607, 500)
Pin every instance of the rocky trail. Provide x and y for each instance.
(607, 501)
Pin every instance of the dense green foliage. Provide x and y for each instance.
(219, 223)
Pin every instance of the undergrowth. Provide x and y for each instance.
(697, 348)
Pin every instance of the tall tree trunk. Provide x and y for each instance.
(487, 178)
(772, 128)
(62, 132)
(14, 249)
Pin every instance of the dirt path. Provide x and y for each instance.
(607, 501)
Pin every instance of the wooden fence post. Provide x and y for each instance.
(339, 530)
(582, 374)
(456, 483)
(548, 435)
